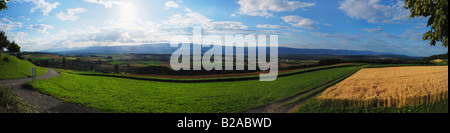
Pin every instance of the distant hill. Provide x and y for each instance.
(13, 68)
(166, 49)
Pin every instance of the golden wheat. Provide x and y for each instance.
(390, 87)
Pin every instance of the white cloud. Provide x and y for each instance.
(374, 12)
(188, 20)
(405, 44)
(45, 7)
(19, 35)
(227, 25)
(187, 9)
(344, 38)
(42, 28)
(298, 21)
(272, 26)
(106, 3)
(413, 35)
(176, 4)
(265, 7)
(70, 15)
(268, 26)
(326, 24)
(171, 4)
(374, 30)
(7, 25)
(115, 33)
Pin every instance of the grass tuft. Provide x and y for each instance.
(11, 103)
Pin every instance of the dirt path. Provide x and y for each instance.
(42, 102)
(277, 108)
(17, 82)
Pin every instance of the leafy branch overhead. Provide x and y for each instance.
(3, 4)
(437, 12)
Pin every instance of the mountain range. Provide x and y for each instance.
(166, 49)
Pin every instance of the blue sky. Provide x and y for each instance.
(376, 25)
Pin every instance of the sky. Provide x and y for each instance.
(374, 25)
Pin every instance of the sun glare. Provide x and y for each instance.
(128, 12)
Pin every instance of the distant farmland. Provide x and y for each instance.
(390, 87)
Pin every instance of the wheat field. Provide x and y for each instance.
(390, 87)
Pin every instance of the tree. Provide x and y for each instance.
(437, 11)
(3, 4)
(3, 42)
(116, 67)
(64, 63)
(128, 68)
(3, 39)
(329, 61)
(13, 48)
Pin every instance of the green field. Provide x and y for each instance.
(16, 69)
(443, 62)
(109, 94)
(136, 63)
(303, 62)
(251, 77)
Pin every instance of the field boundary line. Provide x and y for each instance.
(298, 102)
(290, 104)
(229, 79)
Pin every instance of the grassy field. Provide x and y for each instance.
(16, 69)
(236, 78)
(111, 94)
(136, 63)
(440, 62)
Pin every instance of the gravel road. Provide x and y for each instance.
(42, 102)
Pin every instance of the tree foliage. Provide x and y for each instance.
(437, 12)
(3, 4)
(64, 63)
(3, 40)
(13, 48)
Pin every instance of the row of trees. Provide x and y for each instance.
(11, 47)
